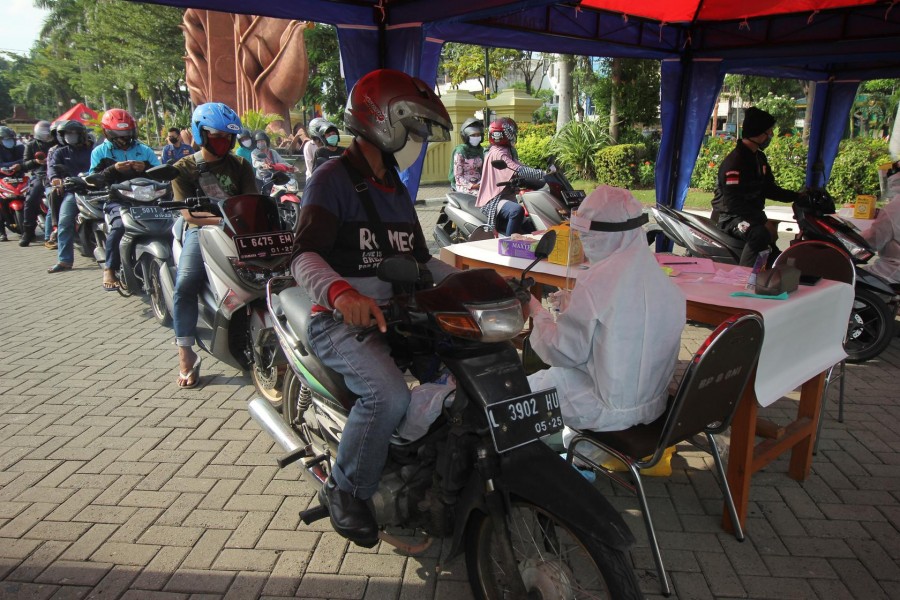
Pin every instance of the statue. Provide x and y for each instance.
(258, 63)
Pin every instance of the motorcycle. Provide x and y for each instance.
(90, 197)
(876, 302)
(13, 187)
(286, 192)
(479, 476)
(252, 246)
(547, 202)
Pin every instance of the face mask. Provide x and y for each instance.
(247, 143)
(261, 145)
(123, 143)
(475, 140)
(219, 146)
(766, 143)
(173, 140)
(408, 154)
(333, 140)
(9, 143)
(71, 139)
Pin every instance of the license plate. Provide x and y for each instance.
(265, 245)
(573, 197)
(519, 421)
(144, 213)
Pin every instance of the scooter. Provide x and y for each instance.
(876, 303)
(478, 475)
(12, 199)
(286, 192)
(90, 197)
(252, 246)
(547, 202)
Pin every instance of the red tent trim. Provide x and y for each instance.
(79, 112)
(686, 11)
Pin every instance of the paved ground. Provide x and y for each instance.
(116, 484)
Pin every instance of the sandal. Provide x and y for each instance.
(190, 379)
(110, 286)
(59, 267)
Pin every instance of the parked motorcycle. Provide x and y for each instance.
(876, 302)
(252, 246)
(13, 187)
(547, 202)
(479, 476)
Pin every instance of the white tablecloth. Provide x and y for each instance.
(803, 334)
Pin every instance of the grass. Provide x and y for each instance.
(695, 198)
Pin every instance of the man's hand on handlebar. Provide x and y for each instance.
(359, 310)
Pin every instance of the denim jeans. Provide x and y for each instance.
(370, 373)
(189, 280)
(114, 236)
(510, 217)
(48, 225)
(33, 201)
(65, 231)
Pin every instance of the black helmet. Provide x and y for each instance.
(261, 136)
(59, 131)
(471, 127)
(7, 134)
(42, 131)
(74, 127)
(385, 107)
(245, 134)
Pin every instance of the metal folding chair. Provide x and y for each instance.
(825, 260)
(705, 403)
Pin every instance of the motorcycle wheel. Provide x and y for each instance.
(157, 300)
(124, 290)
(554, 562)
(268, 383)
(20, 222)
(870, 329)
(290, 393)
(87, 241)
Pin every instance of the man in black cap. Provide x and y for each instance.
(745, 181)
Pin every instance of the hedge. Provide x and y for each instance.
(620, 165)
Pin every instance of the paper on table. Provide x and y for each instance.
(731, 275)
(686, 264)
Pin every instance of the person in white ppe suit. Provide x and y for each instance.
(613, 348)
(884, 235)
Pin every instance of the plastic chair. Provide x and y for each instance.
(705, 403)
(828, 261)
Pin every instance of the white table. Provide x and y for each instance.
(803, 338)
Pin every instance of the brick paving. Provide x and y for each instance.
(116, 484)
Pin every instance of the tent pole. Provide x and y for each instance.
(679, 126)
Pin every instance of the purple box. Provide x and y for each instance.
(517, 248)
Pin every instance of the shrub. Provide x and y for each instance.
(618, 165)
(787, 159)
(647, 175)
(706, 170)
(534, 150)
(576, 146)
(855, 170)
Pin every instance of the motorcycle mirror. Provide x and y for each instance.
(95, 180)
(541, 251)
(399, 269)
(499, 164)
(162, 173)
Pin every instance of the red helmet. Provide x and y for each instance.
(503, 132)
(119, 127)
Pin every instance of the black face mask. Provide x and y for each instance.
(173, 140)
(766, 143)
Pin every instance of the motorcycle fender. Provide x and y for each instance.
(16, 205)
(155, 248)
(871, 281)
(537, 474)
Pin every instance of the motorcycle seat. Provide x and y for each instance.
(709, 228)
(296, 307)
(466, 202)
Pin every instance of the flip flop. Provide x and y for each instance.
(110, 286)
(59, 267)
(194, 373)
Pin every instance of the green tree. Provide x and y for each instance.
(783, 108)
(326, 85)
(461, 62)
(625, 89)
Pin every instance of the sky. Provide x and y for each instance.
(20, 23)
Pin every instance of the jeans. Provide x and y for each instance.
(114, 236)
(510, 215)
(33, 201)
(189, 281)
(370, 373)
(65, 231)
(48, 225)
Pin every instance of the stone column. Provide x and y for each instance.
(460, 105)
(515, 104)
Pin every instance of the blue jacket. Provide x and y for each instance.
(106, 154)
(68, 161)
(11, 156)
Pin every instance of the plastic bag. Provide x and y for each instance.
(426, 402)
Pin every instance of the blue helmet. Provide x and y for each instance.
(214, 116)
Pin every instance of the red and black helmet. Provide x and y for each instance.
(119, 127)
(503, 132)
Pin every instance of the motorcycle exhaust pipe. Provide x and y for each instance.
(271, 422)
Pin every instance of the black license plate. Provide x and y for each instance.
(573, 197)
(144, 213)
(519, 421)
(264, 245)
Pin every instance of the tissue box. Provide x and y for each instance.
(865, 207)
(568, 248)
(518, 248)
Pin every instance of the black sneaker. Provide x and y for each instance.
(351, 517)
(27, 238)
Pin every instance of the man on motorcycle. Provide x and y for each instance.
(68, 161)
(745, 181)
(355, 213)
(11, 154)
(613, 347)
(467, 161)
(263, 159)
(244, 147)
(330, 136)
(309, 151)
(35, 163)
(176, 149)
(506, 215)
(217, 173)
(120, 158)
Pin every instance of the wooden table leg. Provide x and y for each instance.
(810, 408)
(740, 456)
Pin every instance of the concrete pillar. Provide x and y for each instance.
(460, 105)
(515, 104)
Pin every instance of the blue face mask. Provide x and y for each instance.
(333, 140)
(9, 143)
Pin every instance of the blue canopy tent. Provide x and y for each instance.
(836, 43)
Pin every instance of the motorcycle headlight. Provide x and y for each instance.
(143, 193)
(253, 275)
(495, 322)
